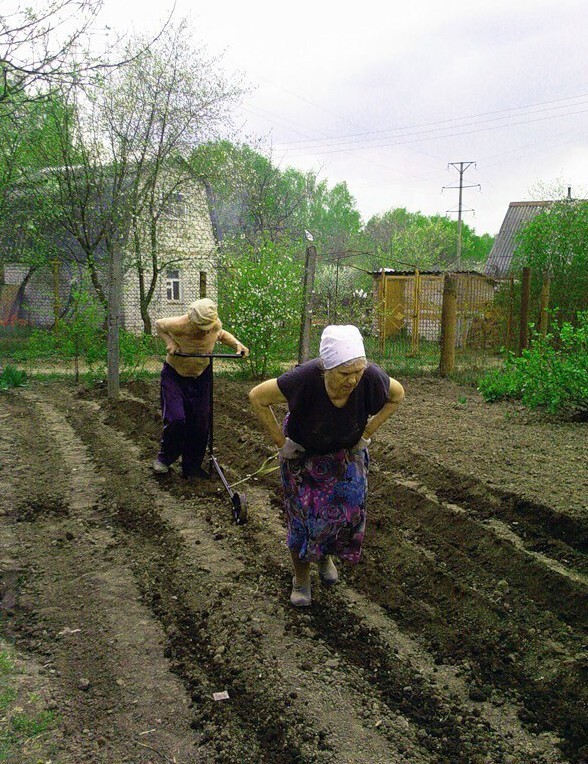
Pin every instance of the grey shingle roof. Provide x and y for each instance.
(500, 257)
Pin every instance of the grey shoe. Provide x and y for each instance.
(160, 467)
(327, 571)
(300, 596)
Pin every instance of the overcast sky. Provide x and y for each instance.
(385, 95)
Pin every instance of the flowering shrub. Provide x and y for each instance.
(260, 302)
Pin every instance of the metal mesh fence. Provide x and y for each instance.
(402, 320)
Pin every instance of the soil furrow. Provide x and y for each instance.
(460, 638)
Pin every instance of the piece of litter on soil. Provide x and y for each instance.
(67, 631)
(224, 695)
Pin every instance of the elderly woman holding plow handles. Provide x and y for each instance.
(185, 385)
(335, 405)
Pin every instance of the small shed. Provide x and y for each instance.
(409, 303)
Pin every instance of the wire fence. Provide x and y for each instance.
(402, 320)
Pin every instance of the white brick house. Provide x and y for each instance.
(187, 243)
(186, 246)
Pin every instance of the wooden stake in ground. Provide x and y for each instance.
(524, 318)
(448, 326)
(305, 319)
(114, 316)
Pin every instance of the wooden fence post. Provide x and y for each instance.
(383, 313)
(56, 295)
(544, 315)
(511, 296)
(305, 319)
(525, 299)
(448, 326)
(416, 313)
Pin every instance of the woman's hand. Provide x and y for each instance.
(361, 445)
(291, 450)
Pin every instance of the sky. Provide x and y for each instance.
(392, 97)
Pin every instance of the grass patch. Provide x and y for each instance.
(10, 377)
(23, 719)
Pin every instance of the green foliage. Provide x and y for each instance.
(256, 201)
(551, 373)
(555, 244)
(10, 377)
(342, 295)
(82, 335)
(260, 295)
(6, 663)
(411, 239)
(16, 724)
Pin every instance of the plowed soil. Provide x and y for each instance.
(131, 599)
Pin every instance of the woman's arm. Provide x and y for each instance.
(395, 399)
(163, 327)
(262, 398)
(228, 339)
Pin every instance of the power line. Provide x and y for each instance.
(416, 138)
(531, 107)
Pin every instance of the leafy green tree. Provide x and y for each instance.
(29, 215)
(255, 201)
(555, 245)
(414, 240)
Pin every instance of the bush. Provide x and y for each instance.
(552, 373)
(81, 334)
(10, 376)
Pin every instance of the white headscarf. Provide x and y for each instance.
(340, 343)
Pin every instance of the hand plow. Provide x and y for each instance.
(238, 500)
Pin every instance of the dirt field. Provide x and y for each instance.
(460, 638)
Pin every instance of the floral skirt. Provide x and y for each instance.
(324, 501)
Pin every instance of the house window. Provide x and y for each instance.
(173, 285)
(202, 283)
(176, 205)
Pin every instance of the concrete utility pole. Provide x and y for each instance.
(461, 167)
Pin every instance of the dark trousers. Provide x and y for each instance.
(185, 405)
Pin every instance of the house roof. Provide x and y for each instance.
(500, 257)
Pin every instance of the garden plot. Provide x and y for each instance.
(460, 636)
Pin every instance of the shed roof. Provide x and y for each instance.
(500, 257)
(394, 272)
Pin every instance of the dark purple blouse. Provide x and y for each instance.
(315, 422)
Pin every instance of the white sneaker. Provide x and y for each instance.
(327, 571)
(160, 467)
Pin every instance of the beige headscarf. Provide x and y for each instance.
(203, 313)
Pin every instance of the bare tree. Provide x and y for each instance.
(124, 147)
(40, 47)
(167, 100)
